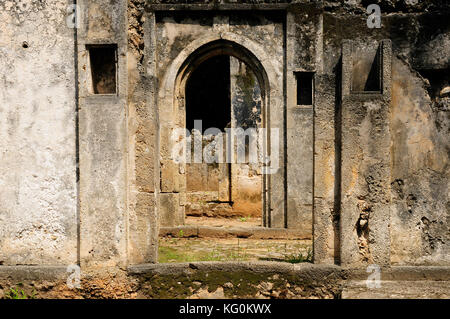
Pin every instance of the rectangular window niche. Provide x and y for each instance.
(366, 70)
(305, 88)
(103, 68)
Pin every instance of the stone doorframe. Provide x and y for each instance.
(205, 52)
(172, 92)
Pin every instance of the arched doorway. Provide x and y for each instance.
(223, 93)
(223, 86)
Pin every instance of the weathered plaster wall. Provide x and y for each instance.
(143, 158)
(119, 135)
(419, 138)
(365, 158)
(304, 47)
(103, 141)
(38, 182)
(420, 227)
(420, 216)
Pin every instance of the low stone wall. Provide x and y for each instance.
(220, 280)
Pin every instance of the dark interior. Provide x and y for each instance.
(208, 94)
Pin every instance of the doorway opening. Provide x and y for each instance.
(227, 201)
(223, 93)
(208, 94)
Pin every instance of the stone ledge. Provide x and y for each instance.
(422, 289)
(407, 273)
(247, 232)
(313, 271)
(217, 6)
(34, 272)
(253, 266)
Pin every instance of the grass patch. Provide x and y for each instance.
(18, 293)
(294, 258)
(179, 249)
(300, 258)
(184, 253)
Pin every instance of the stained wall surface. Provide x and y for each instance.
(38, 180)
(335, 157)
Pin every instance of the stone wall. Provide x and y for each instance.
(369, 173)
(38, 141)
(103, 139)
(419, 221)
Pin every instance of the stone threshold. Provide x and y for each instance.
(232, 232)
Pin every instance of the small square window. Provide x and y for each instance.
(103, 64)
(304, 87)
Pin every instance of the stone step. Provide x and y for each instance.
(420, 289)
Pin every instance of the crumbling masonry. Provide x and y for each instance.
(87, 112)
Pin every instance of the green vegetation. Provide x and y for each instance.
(182, 249)
(300, 258)
(18, 293)
(184, 254)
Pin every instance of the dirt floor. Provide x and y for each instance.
(233, 249)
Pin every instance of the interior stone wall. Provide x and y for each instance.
(246, 178)
(222, 189)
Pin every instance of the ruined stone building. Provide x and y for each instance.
(355, 117)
